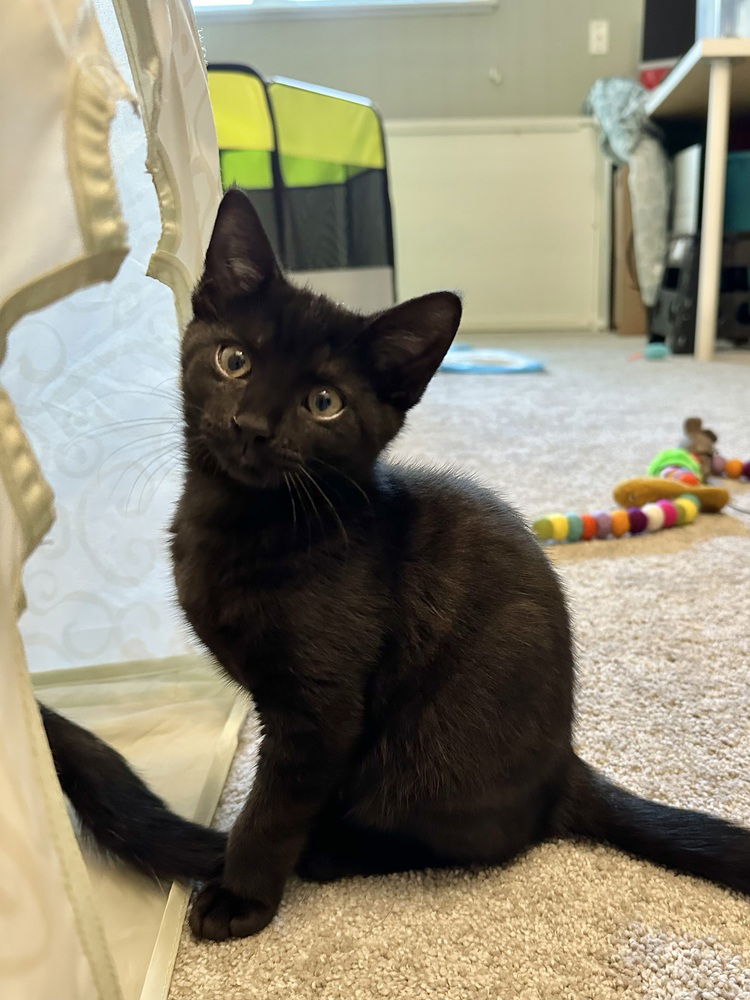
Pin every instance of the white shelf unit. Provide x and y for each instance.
(711, 81)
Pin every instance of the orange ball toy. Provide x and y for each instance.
(733, 468)
(589, 526)
(620, 522)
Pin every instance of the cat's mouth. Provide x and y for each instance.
(260, 468)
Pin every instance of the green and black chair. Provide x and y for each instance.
(313, 161)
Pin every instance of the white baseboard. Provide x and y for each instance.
(542, 324)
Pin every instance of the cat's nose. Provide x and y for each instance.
(252, 427)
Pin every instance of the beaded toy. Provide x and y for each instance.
(673, 492)
(634, 520)
(732, 468)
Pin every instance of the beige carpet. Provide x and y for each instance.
(663, 626)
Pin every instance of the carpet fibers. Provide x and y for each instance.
(663, 706)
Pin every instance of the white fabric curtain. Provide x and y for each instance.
(62, 226)
(51, 943)
(166, 57)
(78, 354)
(94, 377)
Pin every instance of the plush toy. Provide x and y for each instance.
(649, 489)
(674, 492)
(700, 442)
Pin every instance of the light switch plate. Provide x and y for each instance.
(598, 37)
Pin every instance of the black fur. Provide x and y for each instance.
(682, 839)
(405, 639)
(124, 817)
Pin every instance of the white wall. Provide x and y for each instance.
(438, 65)
(510, 212)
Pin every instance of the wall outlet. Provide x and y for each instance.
(598, 38)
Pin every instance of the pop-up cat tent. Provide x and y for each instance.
(313, 161)
(87, 343)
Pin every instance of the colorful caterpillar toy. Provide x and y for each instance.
(673, 492)
(634, 520)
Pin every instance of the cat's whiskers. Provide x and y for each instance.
(325, 496)
(169, 468)
(291, 498)
(199, 439)
(106, 469)
(172, 395)
(295, 484)
(310, 497)
(162, 453)
(171, 445)
(171, 432)
(163, 443)
(174, 460)
(117, 425)
(190, 406)
(153, 463)
(327, 465)
(292, 459)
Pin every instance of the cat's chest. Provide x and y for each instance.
(256, 614)
(291, 619)
(223, 585)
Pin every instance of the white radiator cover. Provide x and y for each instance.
(511, 212)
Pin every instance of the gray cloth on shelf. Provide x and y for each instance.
(629, 137)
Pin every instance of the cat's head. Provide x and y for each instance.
(275, 377)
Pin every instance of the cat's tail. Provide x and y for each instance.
(123, 815)
(687, 841)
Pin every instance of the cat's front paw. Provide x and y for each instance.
(218, 913)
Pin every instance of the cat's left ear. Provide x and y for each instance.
(406, 344)
(239, 259)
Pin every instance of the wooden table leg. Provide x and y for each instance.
(712, 229)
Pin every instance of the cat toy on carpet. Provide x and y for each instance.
(673, 493)
(622, 521)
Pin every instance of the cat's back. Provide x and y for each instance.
(477, 684)
(448, 517)
(464, 569)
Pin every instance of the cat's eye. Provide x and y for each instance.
(324, 403)
(233, 361)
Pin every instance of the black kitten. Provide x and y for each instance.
(404, 637)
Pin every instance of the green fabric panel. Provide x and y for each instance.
(241, 113)
(327, 127)
(300, 171)
(247, 168)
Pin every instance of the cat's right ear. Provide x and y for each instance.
(239, 259)
(406, 344)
